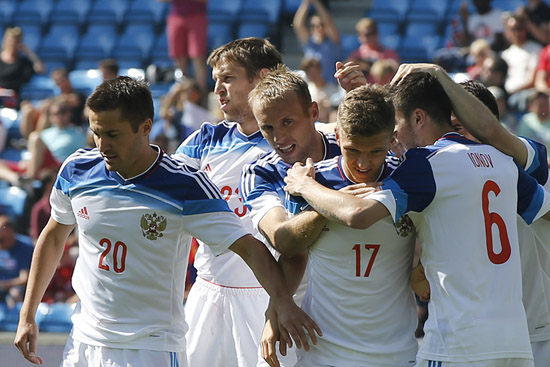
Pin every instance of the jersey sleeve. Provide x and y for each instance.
(410, 187)
(533, 199)
(190, 150)
(219, 230)
(537, 165)
(61, 208)
(258, 191)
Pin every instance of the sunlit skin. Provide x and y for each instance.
(290, 130)
(123, 150)
(457, 126)
(404, 133)
(232, 87)
(364, 156)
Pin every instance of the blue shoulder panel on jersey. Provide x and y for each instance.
(530, 196)
(412, 183)
(539, 168)
(191, 207)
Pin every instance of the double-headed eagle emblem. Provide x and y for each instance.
(152, 225)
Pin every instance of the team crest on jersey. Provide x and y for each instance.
(152, 225)
(404, 226)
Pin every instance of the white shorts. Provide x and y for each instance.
(225, 324)
(541, 353)
(501, 362)
(77, 354)
(284, 361)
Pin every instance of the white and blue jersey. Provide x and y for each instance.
(358, 288)
(134, 245)
(262, 182)
(221, 151)
(462, 198)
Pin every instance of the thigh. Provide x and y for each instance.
(176, 33)
(197, 35)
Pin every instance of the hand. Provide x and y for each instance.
(362, 190)
(406, 69)
(298, 175)
(270, 337)
(349, 75)
(292, 321)
(25, 340)
(420, 284)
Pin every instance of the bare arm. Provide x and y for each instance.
(290, 236)
(291, 319)
(21, 279)
(300, 22)
(46, 256)
(331, 204)
(472, 113)
(541, 81)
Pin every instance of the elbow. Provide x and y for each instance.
(357, 219)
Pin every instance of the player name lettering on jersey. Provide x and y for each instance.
(481, 160)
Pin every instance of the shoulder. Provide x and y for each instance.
(82, 159)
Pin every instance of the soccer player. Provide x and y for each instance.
(471, 258)
(136, 209)
(286, 115)
(225, 307)
(358, 279)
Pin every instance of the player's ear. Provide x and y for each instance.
(419, 116)
(146, 126)
(263, 72)
(314, 111)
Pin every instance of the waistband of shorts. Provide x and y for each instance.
(210, 283)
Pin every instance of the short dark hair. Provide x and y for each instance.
(483, 94)
(422, 90)
(366, 111)
(252, 53)
(132, 96)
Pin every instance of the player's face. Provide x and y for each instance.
(232, 88)
(364, 156)
(405, 135)
(289, 129)
(457, 126)
(122, 149)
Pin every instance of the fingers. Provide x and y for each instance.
(269, 353)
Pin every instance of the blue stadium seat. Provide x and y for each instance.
(147, 11)
(12, 201)
(159, 52)
(11, 318)
(56, 61)
(391, 41)
(56, 318)
(252, 29)
(290, 6)
(36, 94)
(33, 11)
(418, 29)
(10, 119)
(508, 5)
(349, 43)
(388, 27)
(7, 8)
(32, 35)
(428, 10)
(96, 43)
(60, 37)
(223, 9)
(388, 9)
(266, 10)
(219, 34)
(70, 11)
(108, 11)
(134, 44)
(85, 78)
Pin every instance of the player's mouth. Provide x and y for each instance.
(223, 103)
(109, 158)
(286, 149)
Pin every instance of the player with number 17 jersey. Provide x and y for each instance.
(358, 288)
(473, 264)
(128, 229)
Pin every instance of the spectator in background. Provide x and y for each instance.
(187, 32)
(40, 211)
(542, 76)
(487, 23)
(370, 48)
(15, 262)
(321, 91)
(108, 68)
(51, 146)
(382, 71)
(522, 58)
(37, 118)
(536, 123)
(536, 15)
(480, 50)
(494, 72)
(322, 40)
(17, 64)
